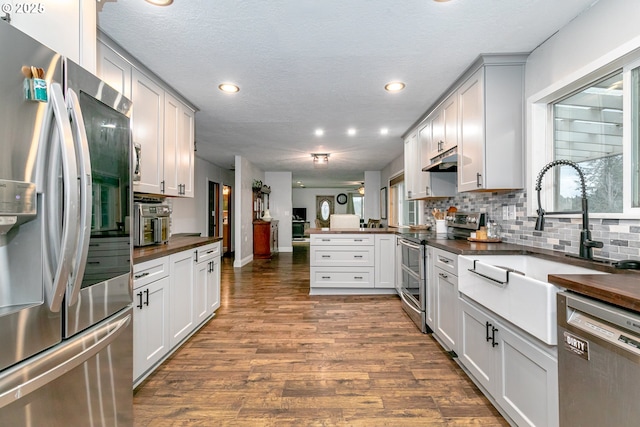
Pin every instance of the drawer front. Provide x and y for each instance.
(342, 239)
(208, 252)
(445, 260)
(343, 256)
(342, 277)
(150, 271)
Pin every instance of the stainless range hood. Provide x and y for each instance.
(445, 162)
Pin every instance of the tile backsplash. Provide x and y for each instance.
(621, 237)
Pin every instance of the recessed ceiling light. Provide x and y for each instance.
(351, 131)
(319, 132)
(441, 1)
(384, 131)
(394, 86)
(160, 2)
(229, 88)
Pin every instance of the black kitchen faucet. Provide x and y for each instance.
(586, 244)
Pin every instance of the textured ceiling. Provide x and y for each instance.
(307, 64)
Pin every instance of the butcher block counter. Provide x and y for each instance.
(177, 243)
(620, 289)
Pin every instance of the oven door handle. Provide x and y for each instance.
(409, 303)
(408, 244)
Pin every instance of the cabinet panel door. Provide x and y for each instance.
(450, 125)
(213, 287)
(114, 70)
(446, 321)
(148, 128)
(150, 325)
(409, 165)
(471, 137)
(172, 119)
(523, 363)
(385, 272)
(185, 151)
(182, 296)
(474, 351)
(201, 287)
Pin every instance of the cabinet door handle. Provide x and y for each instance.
(486, 328)
(138, 276)
(162, 186)
(146, 291)
(139, 299)
(479, 179)
(195, 253)
(426, 190)
(493, 337)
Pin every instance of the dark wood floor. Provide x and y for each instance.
(275, 356)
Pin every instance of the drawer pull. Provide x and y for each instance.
(326, 240)
(444, 276)
(326, 256)
(357, 240)
(211, 251)
(444, 260)
(326, 277)
(358, 277)
(357, 256)
(138, 276)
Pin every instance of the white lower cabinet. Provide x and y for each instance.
(519, 373)
(182, 319)
(150, 315)
(442, 297)
(173, 296)
(352, 263)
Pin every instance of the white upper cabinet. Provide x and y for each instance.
(491, 131)
(68, 27)
(114, 69)
(148, 131)
(163, 125)
(444, 127)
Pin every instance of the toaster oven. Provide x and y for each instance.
(151, 224)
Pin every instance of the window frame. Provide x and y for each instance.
(540, 133)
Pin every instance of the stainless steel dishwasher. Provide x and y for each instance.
(598, 363)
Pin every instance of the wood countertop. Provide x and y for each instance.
(351, 231)
(620, 289)
(176, 244)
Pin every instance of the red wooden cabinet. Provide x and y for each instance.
(265, 238)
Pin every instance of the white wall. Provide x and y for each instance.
(280, 206)
(371, 195)
(306, 198)
(190, 214)
(246, 172)
(607, 29)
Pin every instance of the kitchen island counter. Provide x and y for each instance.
(176, 244)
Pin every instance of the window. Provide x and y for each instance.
(593, 121)
(588, 129)
(358, 204)
(401, 211)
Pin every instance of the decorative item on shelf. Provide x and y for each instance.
(266, 216)
(256, 186)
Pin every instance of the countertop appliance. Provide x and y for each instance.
(413, 284)
(598, 362)
(460, 225)
(65, 254)
(151, 223)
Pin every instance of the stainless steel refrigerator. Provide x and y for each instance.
(65, 248)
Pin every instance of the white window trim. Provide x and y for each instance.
(539, 140)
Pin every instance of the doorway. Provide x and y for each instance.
(214, 202)
(226, 220)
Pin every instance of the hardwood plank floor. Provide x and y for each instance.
(275, 356)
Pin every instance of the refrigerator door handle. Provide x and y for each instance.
(70, 183)
(51, 366)
(84, 171)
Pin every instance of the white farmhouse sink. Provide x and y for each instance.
(527, 300)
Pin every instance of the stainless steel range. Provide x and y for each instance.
(414, 264)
